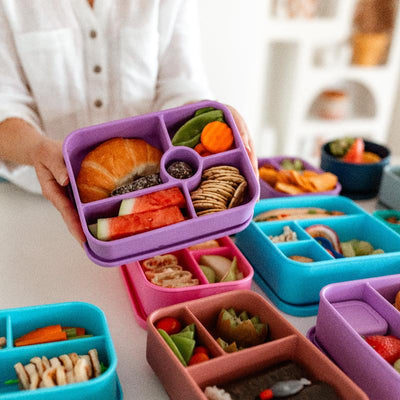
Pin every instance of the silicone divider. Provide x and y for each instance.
(191, 212)
(181, 153)
(386, 309)
(305, 248)
(244, 362)
(276, 228)
(5, 331)
(164, 136)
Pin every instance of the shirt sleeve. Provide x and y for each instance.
(181, 77)
(16, 100)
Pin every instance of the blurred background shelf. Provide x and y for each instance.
(279, 56)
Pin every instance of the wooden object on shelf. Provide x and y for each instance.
(370, 48)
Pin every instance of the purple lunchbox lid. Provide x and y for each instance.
(157, 129)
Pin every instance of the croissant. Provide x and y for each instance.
(114, 163)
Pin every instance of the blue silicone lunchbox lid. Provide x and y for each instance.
(294, 286)
(158, 129)
(18, 321)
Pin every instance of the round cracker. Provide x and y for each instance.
(238, 196)
(202, 205)
(221, 168)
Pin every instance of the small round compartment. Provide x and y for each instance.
(180, 153)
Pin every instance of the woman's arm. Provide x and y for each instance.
(21, 143)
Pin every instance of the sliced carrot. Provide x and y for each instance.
(79, 331)
(51, 337)
(199, 148)
(39, 332)
(217, 137)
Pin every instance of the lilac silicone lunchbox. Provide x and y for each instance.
(147, 297)
(267, 191)
(285, 344)
(157, 129)
(349, 310)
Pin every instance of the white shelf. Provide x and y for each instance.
(307, 29)
(339, 127)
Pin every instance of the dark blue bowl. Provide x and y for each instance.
(357, 180)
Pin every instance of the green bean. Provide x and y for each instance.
(203, 110)
(189, 133)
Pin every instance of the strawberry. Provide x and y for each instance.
(355, 152)
(387, 346)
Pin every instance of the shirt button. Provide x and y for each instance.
(98, 103)
(97, 69)
(93, 34)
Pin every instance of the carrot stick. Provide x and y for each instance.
(39, 332)
(50, 337)
(217, 137)
(79, 331)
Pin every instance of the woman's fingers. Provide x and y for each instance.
(246, 138)
(57, 195)
(52, 174)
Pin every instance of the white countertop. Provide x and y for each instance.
(40, 263)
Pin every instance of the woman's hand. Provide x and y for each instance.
(245, 135)
(52, 174)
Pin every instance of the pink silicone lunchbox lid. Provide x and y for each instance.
(267, 191)
(157, 129)
(147, 297)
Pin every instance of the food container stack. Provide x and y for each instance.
(160, 182)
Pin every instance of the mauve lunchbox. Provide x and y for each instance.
(349, 310)
(157, 129)
(285, 344)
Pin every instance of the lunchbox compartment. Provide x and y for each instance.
(309, 249)
(276, 229)
(361, 227)
(174, 121)
(72, 316)
(185, 260)
(151, 129)
(330, 203)
(289, 349)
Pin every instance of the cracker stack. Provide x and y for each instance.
(221, 187)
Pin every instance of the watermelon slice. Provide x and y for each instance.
(132, 224)
(153, 201)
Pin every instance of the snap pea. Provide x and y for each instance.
(203, 110)
(189, 133)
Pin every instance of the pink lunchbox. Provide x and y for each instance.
(147, 297)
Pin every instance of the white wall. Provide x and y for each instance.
(234, 55)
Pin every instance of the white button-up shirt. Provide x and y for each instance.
(64, 65)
